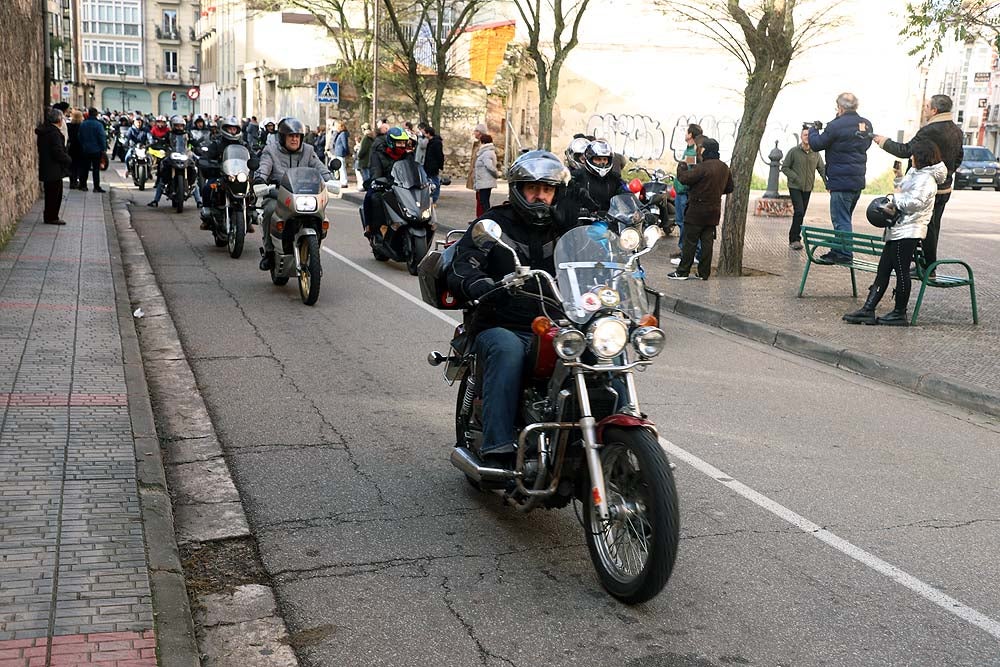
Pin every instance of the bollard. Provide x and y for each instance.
(772, 178)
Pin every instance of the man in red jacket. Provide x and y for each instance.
(707, 181)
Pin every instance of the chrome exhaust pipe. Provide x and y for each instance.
(466, 461)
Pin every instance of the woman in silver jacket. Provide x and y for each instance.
(914, 200)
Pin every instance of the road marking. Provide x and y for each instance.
(946, 602)
(926, 591)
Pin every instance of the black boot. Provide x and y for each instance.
(894, 318)
(866, 314)
(266, 260)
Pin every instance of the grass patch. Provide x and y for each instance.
(7, 233)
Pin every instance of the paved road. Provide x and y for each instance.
(337, 433)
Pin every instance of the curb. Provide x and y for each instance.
(930, 385)
(175, 636)
(196, 499)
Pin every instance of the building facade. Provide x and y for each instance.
(63, 61)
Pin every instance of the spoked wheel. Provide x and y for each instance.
(311, 270)
(634, 551)
(237, 233)
(418, 248)
(179, 190)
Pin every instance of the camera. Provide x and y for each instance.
(808, 124)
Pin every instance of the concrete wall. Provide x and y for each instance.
(21, 86)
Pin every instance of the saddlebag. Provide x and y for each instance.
(432, 276)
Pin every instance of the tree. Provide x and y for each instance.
(764, 38)
(424, 47)
(931, 22)
(548, 69)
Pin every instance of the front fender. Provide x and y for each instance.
(418, 231)
(625, 421)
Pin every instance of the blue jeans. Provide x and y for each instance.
(841, 209)
(435, 187)
(503, 354)
(680, 207)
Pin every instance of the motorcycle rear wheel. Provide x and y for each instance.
(311, 270)
(634, 552)
(237, 234)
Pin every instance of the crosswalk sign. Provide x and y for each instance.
(328, 92)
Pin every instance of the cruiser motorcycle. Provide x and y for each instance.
(228, 195)
(299, 226)
(582, 435)
(409, 228)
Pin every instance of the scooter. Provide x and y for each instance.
(406, 203)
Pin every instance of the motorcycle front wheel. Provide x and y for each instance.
(634, 552)
(180, 187)
(311, 270)
(141, 177)
(237, 233)
(418, 248)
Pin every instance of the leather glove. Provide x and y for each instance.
(480, 288)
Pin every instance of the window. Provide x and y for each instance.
(105, 57)
(170, 62)
(112, 17)
(169, 20)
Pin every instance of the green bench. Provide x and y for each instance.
(819, 240)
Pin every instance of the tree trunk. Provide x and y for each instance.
(435, 120)
(759, 95)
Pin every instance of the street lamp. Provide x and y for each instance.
(121, 73)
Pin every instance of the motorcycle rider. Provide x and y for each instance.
(268, 136)
(289, 151)
(531, 222)
(137, 135)
(574, 152)
(597, 182)
(199, 132)
(177, 128)
(230, 134)
(398, 145)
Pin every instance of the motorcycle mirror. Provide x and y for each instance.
(635, 186)
(486, 233)
(652, 234)
(659, 173)
(253, 163)
(335, 164)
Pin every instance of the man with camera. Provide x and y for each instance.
(845, 141)
(940, 129)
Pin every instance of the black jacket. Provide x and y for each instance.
(947, 136)
(595, 192)
(379, 164)
(474, 272)
(53, 160)
(434, 157)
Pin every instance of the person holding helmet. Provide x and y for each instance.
(397, 146)
(289, 151)
(178, 127)
(231, 133)
(905, 219)
(597, 181)
(531, 224)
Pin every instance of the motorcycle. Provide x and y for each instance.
(228, 197)
(658, 195)
(138, 166)
(299, 226)
(120, 143)
(409, 228)
(581, 433)
(178, 172)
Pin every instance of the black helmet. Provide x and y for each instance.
(574, 152)
(177, 125)
(289, 126)
(231, 130)
(600, 150)
(536, 167)
(882, 212)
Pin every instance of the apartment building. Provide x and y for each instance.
(62, 64)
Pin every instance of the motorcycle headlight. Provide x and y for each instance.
(241, 177)
(569, 344)
(630, 238)
(426, 215)
(305, 203)
(140, 153)
(649, 341)
(608, 337)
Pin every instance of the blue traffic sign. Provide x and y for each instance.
(328, 92)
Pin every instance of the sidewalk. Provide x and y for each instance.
(944, 356)
(75, 581)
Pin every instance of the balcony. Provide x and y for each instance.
(170, 34)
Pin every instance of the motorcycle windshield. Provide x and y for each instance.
(591, 274)
(625, 209)
(303, 181)
(234, 160)
(409, 175)
(179, 143)
(413, 201)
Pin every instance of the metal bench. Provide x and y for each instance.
(818, 239)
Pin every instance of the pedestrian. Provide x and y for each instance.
(434, 162)
(341, 150)
(800, 168)
(77, 168)
(845, 141)
(53, 164)
(364, 153)
(251, 135)
(64, 108)
(477, 132)
(707, 181)
(319, 142)
(93, 141)
(310, 137)
(940, 129)
(913, 202)
(485, 177)
(420, 154)
(692, 136)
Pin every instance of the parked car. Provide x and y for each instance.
(979, 169)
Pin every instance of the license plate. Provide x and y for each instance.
(984, 180)
(655, 210)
